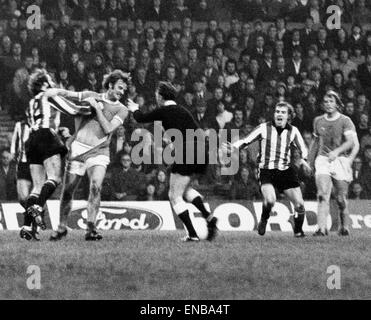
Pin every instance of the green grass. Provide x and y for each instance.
(156, 265)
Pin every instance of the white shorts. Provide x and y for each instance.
(339, 169)
(78, 167)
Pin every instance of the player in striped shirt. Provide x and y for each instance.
(276, 139)
(44, 148)
(332, 152)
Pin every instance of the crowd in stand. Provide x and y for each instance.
(228, 78)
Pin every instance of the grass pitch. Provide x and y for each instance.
(156, 265)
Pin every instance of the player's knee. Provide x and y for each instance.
(56, 180)
(341, 201)
(322, 197)
(191, 194)
(95, 188)
(299, 208)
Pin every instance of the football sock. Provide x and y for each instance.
(46, 192)
(199, 204)
(27, 221)
(298, 222)
(299, 219)
(32, 199)
(91, 226)
(184, 216)
(266, 211)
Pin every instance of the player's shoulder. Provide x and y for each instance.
(319, 118)
(345, 118)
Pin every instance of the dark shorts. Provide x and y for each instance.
(43, 144)
(191, 164)
(280, 179)
(188, 169)
(23, 171)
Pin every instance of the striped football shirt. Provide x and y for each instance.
(275, 147)
(43, 112)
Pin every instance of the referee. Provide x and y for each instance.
(176, 117)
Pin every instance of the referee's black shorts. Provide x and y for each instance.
(191, 164)
(43, 144)
(23, 171)
(280, 179)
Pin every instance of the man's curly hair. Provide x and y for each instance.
(37, 80)
(114, 76)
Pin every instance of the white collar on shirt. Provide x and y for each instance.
(332, 119)
(169, 103)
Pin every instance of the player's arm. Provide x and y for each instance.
(80, 95)
(314, 146)
(256, 134)
(16, 135)
(108, 126)
(299, 143)
(313, 150)
(355, 148)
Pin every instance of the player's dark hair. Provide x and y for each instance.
(167, 91)
(115, 76)
(37, 80)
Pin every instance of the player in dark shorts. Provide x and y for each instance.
(44, 150)
(276, 139)
(176, 117)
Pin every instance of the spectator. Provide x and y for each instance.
(244, 187)
(357, 166)
(356, 191)
(8, 187)
(161, 184)
(124, 180)
(365, 177)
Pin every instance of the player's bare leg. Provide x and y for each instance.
(193, 196)
(53, 169)
(23, 191)
(269, 199)
(38, 178)
(70, 184)
(324, 187)
(341, 188)
(177, 186)
(296, 197)
(96, 176)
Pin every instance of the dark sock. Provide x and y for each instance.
(199, 204)
(91, 226)
(23, 203)
(298, 222)
(184, 216)
(266, 211)
(46, 192)
(27, 220)
(32, 199)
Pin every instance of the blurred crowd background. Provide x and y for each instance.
(230, 61)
